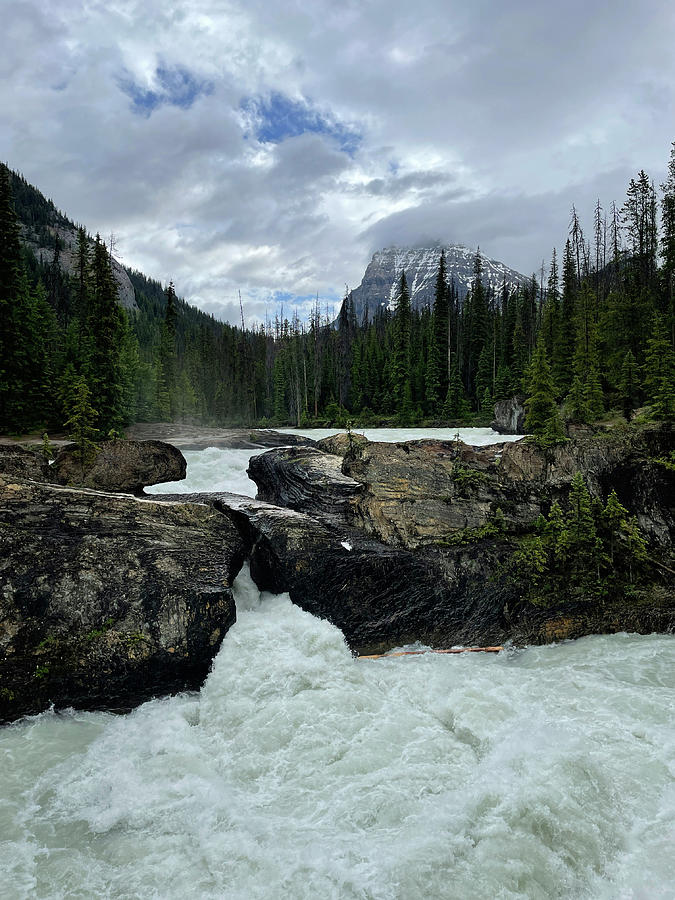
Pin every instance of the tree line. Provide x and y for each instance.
(593, 338)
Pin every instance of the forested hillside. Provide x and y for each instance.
(594, 338)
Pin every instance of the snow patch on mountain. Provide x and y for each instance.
(379, 286)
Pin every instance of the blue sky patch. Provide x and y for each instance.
(175, 85)
(278, 116)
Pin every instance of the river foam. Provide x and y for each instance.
(299, 772)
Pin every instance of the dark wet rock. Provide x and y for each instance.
(382, 596)
(509, 416)
(304, 478)
(379, 596)
(107, 600)
(124, 466)
(23, 463)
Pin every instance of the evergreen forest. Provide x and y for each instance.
(591, 339)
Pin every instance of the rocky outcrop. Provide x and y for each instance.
(66, 234)
(342, 443)
(379, 596)
(425, 493)
(304, 478)
(419, 543)
(107, 600)
(509, 416)
(126, 466)
(23, 463)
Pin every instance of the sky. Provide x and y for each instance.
(271, 148)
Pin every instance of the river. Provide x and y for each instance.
(300, 772)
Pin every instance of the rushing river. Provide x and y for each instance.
(299, 772)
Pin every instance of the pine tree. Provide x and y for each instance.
(456, 406)
(401, 358)
(580, 541)
(280, 412)
(565, 368)
(575, 403)
(439, 352)
(11, 270)
(503, 384)
(484, 376)
(79, 425)
(615, 517)
(668, 238)
(629, 385)
(107, 329)
(540, 405)
(660, 371)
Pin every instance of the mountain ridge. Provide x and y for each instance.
(379, 286)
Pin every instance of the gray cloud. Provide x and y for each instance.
(480, 123)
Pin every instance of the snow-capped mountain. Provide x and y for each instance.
(379, 286)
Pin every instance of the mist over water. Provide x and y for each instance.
(300, 772)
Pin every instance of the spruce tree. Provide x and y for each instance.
(580, 540)
(629, 385)
(441, 323)
(659, 368)
(400, 374)
(280, 411)
(456, 406)
(79, 425)
(107, 329)
(11, 270)
(540, 406)
(575, 403)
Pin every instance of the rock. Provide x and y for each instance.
(409, 495)
(303, 478)
(22, 463)
(424, 493)
(410, 547)
(341, 444)
(107, 600)
(125, 466)
(68, 260)
(379, 596)
(265, 438)
(509, 416)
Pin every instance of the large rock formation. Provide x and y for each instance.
(509, 416)
(417, 542)
(126, 466)
(379, 596)
(23, 463)
(304, 478)
(379, 287)
(66, 234)
(422, 493)
(106, 600)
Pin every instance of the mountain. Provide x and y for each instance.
(380, 281)
(43, 227)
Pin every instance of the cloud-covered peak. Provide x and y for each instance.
(271, 148)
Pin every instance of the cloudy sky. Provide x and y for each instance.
(272, 147)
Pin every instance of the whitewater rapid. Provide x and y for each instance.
(300, 772)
